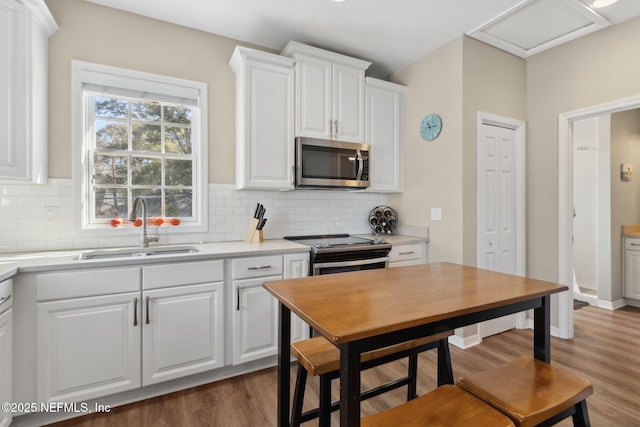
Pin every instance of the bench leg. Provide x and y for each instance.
(298, 396)
(325, 401)
(445, 371)
(581, 416)
(412, 386)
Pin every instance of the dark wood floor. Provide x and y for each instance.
(605, 349)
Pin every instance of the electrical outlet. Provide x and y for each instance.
(50, 214)
(436, 214)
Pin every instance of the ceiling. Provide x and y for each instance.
(390, 34)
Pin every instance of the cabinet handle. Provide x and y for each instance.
(237, 299)
(634, 244)
(147, 310)
(336, 131)
(293, 175)
(261, 267)
(406, 253)
(135, 311)
(330, 128)
(3, 300)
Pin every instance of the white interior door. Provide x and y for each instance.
(497, 216)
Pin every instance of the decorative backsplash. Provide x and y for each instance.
(38, 218)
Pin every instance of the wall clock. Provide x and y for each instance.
(430, 127)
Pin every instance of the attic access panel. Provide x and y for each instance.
(533, 26)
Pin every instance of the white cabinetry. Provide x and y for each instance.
(329, 93)
(88, 342)
(255, 318)
(103, 331)
(631, 286)
(264, 119)
(6, 349)
(25, 27)
(183, 320)
(384, 133)
(408, 254)
(295, 266)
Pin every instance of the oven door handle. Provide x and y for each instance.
(319, 266)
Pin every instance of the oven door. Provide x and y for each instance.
(351, 265)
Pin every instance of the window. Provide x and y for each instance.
(141, 135)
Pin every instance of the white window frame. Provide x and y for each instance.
(96, 74)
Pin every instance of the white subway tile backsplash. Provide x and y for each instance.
(24, 228)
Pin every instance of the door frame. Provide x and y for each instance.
(519, 161)
(565, 201)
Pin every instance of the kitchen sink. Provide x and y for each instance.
(135, 252)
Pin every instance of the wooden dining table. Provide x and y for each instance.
(364, 310)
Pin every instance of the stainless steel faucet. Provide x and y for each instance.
(145, 238)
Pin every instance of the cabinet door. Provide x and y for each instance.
(348, 103)
(313, 98)
(295, 266)
(255, 321)
(183, 331)
(88, 347)
(6, 365)
(632, 274)
(24, 32)
(383, 133)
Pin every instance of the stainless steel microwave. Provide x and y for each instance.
(331, 164)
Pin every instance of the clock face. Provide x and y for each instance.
(430, 127)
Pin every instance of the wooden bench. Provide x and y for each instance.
(532, 392)
(446, 406)
(319, 357)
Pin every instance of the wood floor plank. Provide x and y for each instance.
(605, 349)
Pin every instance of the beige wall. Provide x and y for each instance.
(432, 171)
(93, 33)
(595, 69)
(493, 82)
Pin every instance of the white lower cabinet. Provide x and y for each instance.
(6, 350)
(92, 342)
(255, 317)
(88, 347)
(183, 331)
(631, 268)
(402, 255)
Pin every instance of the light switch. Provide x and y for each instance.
(436, 214)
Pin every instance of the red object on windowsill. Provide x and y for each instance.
(155, 221)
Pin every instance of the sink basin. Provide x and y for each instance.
(135, 252)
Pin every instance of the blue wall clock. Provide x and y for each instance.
(430, 127)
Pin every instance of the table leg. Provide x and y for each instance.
(284, 365)
(542, 330)
(349, 385)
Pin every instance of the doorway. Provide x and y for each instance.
(565, 204)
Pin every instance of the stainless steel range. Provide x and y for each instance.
(336, 253)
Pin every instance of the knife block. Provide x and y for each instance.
(253, 235)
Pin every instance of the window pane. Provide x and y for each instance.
(146, 137)
(145, 111)
(153, 198)
(110, 169)
(177, 140)
(111, 203)
(178, 172)
(111, 135)
(146, 171)
(179, 203)
(177, 115)
(111, 107)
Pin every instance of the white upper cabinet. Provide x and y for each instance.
(384, 133)
(264, 119)
(329, 93)
(25, 27)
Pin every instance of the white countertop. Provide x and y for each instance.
(11, 264)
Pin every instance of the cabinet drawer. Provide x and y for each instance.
(246, 268)
(184, 273)
(407, 252)
(84, 283)
(633, 244)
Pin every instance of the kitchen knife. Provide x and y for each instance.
(261, 224)
(257, 211)
(261, 212)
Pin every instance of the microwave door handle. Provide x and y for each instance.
(360, 165)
